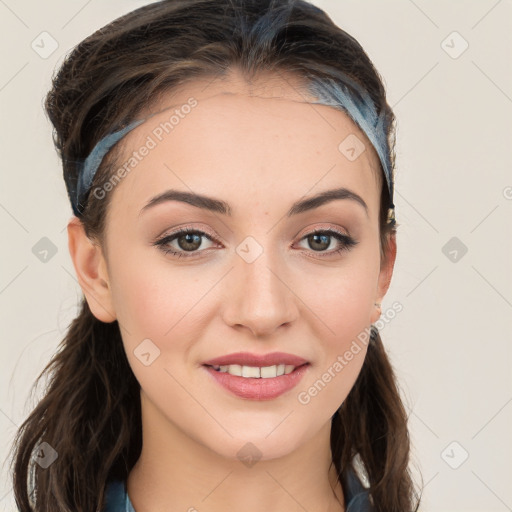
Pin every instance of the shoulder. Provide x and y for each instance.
(116, 498)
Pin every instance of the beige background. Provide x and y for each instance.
(452, 343)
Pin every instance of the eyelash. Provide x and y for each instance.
(346, 241)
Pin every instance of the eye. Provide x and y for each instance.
(320, 240)
(187, 241)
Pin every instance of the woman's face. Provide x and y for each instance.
(251, 277)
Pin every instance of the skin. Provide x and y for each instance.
(260, 148)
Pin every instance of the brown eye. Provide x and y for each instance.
(186, 241)
(189, 241)
(319, 241)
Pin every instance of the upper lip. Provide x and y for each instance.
(248, 359)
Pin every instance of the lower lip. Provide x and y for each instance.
(257, 388)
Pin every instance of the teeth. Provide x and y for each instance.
(255, 372)
(268, 371)
(250, 371)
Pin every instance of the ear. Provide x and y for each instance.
(91, 271)
(386, 272)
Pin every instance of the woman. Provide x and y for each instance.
(230, 168)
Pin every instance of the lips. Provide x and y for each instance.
(236, 373)
(261, 360)
(257, 388)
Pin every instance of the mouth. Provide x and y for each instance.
(257, 382)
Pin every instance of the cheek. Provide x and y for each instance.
(343, 303)
(341, 298)
(339, 305)
(156, 300)
(169, 309)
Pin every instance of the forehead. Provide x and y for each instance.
(245, 134)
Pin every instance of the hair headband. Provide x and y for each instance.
(359, 107)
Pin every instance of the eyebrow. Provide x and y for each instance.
(219, 206)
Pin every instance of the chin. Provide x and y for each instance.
(250, 450)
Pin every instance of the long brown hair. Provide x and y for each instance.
(90, 412)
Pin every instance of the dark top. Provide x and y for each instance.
(356, 498)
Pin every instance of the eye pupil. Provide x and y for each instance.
(324, 241)
(189, 240)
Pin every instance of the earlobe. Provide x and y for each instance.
(91, 271)
(385, 275)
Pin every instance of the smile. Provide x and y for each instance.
(257, 383)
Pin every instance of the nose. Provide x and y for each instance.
(258, 296)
